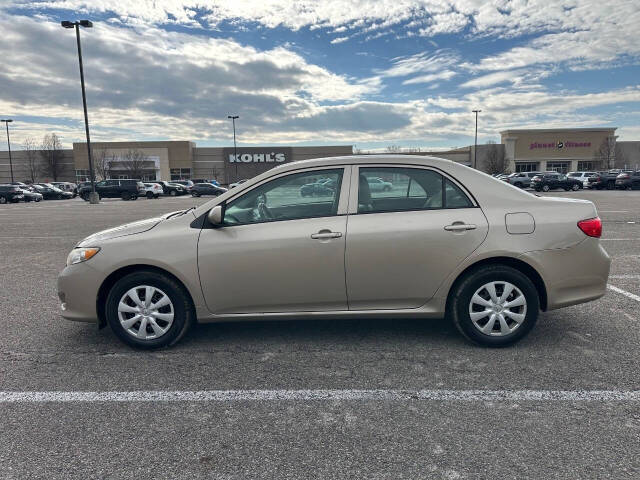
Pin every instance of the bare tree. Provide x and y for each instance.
(609, 154)
(51, 152)
(495, 161)
(394, 149)
(102, 163)
(134, 163)
(31, 156)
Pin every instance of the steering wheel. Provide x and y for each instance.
(263, 210)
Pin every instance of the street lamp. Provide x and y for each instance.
(93, 196)
(6, 122)
(235, 148)
(475, 143)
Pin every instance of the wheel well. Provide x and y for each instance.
(519, 265)
(113, 277)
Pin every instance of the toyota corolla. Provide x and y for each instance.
(447, 241)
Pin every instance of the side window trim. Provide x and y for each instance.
(353, 193)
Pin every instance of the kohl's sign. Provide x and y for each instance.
(258, 157)
(559, 145)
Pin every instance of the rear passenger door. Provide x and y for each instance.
(402, 243)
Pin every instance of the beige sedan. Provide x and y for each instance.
(443, 240)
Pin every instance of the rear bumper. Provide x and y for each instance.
(572, 275)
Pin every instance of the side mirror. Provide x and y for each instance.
(215, 215)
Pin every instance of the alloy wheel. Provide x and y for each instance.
(145, 312)
(497, 308)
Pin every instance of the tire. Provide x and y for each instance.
(611, 185)
(149, 195)
(474, 282)
(195, 194)
(37, 199)
(387, 189)
(156, 196)
(545, 188)
(125, 196)
(181, 307)
(518, 184)
(59, 197)
(575, 187)
(134, 197)
(173, 193)
(85, 197)
(3, 200)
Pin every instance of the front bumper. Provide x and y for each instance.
(78, 291)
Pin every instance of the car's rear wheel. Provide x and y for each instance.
(3, 200)
(147, 310)
(125, 196)
(545, 188)
(495, 306)
(195, 194)
(575, 187)
(149, 195)
(173, 193)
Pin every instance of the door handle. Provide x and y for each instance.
(323, 235)
(460, 227)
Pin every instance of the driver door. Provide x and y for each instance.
(277, 250)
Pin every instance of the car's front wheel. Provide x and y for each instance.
(545, 188)
(173, 193)
(147, 310)
(575, 187)
(495, 306)
(149, 195)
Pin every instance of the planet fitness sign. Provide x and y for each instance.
(559, 145)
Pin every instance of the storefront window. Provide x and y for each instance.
(82, 176)
(180, 174)
(560, 167)
(585, 166)
(527, 167)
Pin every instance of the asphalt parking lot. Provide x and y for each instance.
(295, 410)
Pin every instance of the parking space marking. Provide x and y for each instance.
(619, 239)
(628, 277)
(324, 395)
(632, 296)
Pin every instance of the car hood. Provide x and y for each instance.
(132, 228)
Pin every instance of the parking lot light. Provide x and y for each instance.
(93, 196)
(6, 122)
(235, 149)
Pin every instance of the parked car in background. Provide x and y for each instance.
(10, 193)
(124, 188)
(67, 187)
(205, 180)
(582, 176)
(239, 182)
(520, 179)
(553, 181)
(31, 194)
(379, 185)
(322, 187)
(465, 247)
(200, 189)
(153, 190)
(602, 180)
(172, 189)
(49, 192)
(628, 180)
(187, 184)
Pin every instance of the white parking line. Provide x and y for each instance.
(625, 276)
(325, 395)
(619, 239)
(632, 296)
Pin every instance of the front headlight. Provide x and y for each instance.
(79, 255)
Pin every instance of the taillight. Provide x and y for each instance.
(591, 227)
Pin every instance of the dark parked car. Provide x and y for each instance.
(124, 188)
(603, 180)
(200, 189)
(323, 187)
(204, 180)
(521, 179)
(173, 189)
(10, 193)
(187, 184)
(49, 192)
(67, 187)
(552, 180)
(628, 180)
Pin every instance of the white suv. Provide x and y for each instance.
(152, 190)
(582, 176)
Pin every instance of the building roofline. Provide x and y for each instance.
(559, 130)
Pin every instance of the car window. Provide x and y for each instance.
(404, 189)
(295, 196)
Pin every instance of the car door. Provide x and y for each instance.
(277, 250)
(403, 243)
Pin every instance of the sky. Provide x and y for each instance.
(371, 73)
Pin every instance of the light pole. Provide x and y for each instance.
(475, 143)
(235, 148)
(6, 122)
(93, 196)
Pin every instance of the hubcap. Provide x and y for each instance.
(497, 308)
(145, 312)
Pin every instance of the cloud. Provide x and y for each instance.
(339, 40)
(430, 78)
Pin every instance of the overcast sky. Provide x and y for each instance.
(366, 72)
